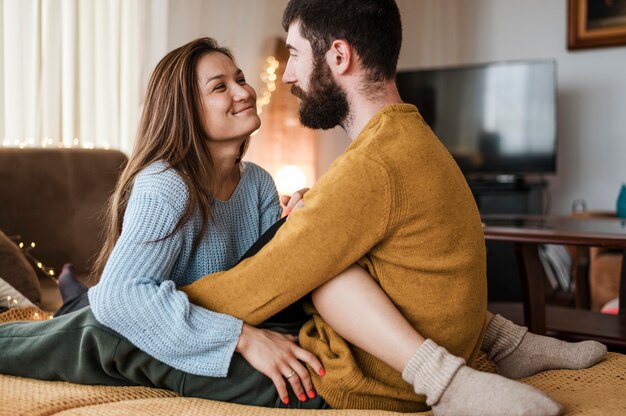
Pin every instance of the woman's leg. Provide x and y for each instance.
(65, 349)
(505, 343)
(73, 292)
(354, 297)
(356, 307)
(78, 349)
(516, 352)
(69, 286)
(73, 305)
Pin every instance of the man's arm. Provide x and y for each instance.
(344, 216)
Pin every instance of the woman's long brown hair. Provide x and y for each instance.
(170, 130)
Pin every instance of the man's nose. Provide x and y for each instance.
(288, 75)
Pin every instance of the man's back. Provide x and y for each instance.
(430, 258)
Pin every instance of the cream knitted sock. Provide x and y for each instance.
(452, 388)
(518, 353)
(430, 370)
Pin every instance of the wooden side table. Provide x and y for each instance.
(528, 233)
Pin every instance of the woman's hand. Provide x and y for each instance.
(294, 201)
(279, 357)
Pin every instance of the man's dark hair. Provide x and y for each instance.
(372, 27)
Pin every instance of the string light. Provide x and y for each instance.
(22, 312)
(11, 302)
(268, 77)
(48, 142)
(47, 271)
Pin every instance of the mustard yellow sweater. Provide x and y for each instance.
(396, 203)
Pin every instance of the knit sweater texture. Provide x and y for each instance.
(137, 295)
(396, 203)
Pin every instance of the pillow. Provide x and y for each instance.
(17, 271)
(11, 298)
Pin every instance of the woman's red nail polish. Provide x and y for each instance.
(322, 372)
(285, 400)
(302, 397)
(311, 394)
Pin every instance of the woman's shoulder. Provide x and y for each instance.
(161, 179)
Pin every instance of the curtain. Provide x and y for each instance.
(73, 72)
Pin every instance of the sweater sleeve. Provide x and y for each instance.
(136, 299)
(344, 216)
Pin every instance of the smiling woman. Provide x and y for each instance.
(227, 100)
(184, 206)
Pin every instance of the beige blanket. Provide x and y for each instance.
(600, 390)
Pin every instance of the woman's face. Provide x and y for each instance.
(228, 103)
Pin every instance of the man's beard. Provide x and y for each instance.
(325, 105)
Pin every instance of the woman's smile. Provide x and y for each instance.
(245, 111)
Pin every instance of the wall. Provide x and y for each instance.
(592, 87)
(248, 27)
(592, 95)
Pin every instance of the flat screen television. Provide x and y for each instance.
(495, 119)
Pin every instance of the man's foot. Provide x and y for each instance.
(69, 286)
(518, 353)
(452, 388)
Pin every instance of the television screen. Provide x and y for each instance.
(495, 118)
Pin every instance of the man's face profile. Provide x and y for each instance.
(322, 102)
(325, 105)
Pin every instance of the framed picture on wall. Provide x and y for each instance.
(596, 23)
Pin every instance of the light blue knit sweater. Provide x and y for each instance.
(137, 294)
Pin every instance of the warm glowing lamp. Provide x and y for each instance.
(289, 179)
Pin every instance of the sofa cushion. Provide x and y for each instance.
(17, 271)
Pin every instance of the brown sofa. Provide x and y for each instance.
(53, 197)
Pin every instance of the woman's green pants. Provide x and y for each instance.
(78, 349)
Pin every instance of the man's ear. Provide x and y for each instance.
(340, 57)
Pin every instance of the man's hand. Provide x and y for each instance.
(294, 201)
(279, 357)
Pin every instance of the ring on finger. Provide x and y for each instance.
(288, 376)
